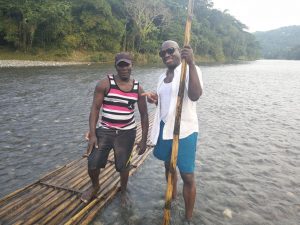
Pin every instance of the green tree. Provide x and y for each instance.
(95, 25)
(148, 17)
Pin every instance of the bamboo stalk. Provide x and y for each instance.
(85, 177)
(34, 216)
(59, 170)
(82, 177)
(103, 175)
(61, 188)
(172, 169)
(14, 202)
(65, 174)
(80, 214)
(16, 205)
(62, 172)
(28, 205)
(42, 208)
(91, 215)
(58, 210)
(39, 216)
(108, 175)
(35, 208)
(74, 206)
(66, 179)
(16, 193)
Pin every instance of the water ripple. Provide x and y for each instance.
(248, 154)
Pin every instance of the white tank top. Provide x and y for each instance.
(164, 93)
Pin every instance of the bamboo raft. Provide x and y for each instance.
(55, 198)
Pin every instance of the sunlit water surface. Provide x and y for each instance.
(248, 155)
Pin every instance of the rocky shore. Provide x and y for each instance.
(27, 63)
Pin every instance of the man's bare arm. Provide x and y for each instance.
(142, 106)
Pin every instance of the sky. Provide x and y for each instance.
(262, 15)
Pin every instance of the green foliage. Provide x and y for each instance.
(114, 25)
(282, 43)
(100, 57)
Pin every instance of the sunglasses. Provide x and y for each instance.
(170, 51)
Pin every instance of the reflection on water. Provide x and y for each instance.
(248, 153)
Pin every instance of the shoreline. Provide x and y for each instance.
(31, 63)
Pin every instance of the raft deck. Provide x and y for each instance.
(55, 198)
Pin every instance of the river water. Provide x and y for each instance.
(248, 155)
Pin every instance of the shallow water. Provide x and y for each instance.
(248, 153)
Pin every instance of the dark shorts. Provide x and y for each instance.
(186, 151)
(121, 141)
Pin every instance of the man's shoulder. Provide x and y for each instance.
(162, 75)
(103, 83)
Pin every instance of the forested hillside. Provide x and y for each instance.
(113, 25)
(282, 43)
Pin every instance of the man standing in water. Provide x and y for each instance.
(162, 131)
(116, 95)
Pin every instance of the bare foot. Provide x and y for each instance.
(174, 203)
(89, 194)
(125, 200)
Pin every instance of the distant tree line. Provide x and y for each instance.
(282, 43)
(114, 25)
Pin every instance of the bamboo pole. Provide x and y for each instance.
(59, 170)
(58, 187)
(65, 174)
(27, 206)
(72, 208)
(91, 215)
(104, 174)
(60, 206)
(46, 208)
(18, 204)
(61, 209)
(13, 202)
(35, 207)
(173, 162)
(80, 180)
(86, 209)
(14, 194)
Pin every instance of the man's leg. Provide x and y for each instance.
(189, 193)
(90, 193)
(124, 180)
(174, 174)
(96, 160)
(186, 165)
(123, 146)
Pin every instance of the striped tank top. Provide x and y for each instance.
(118, 106)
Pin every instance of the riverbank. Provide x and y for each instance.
(28, 63)
(12, 58)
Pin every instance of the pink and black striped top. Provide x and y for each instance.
(118, 106)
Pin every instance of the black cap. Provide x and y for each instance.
(123, 57)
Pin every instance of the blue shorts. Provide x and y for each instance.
(186, 151)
